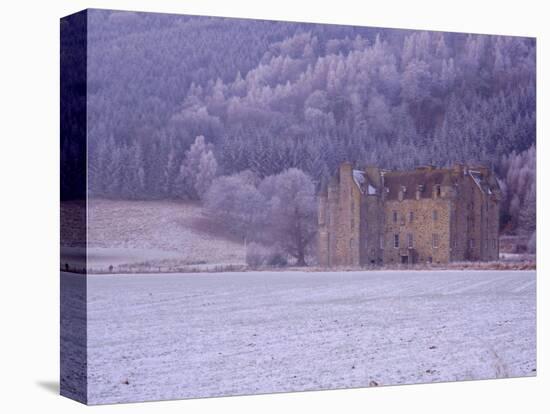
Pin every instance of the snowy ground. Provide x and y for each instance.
(153, 337)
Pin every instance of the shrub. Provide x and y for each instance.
(255, 255)
(277, 260)
(258, 255)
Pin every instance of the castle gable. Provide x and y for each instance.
(359, 179)
(487, 185)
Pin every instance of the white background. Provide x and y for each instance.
(29, 191)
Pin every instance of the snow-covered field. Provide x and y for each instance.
(157, 233)
(153, 337)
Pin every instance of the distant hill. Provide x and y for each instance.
(268, 96)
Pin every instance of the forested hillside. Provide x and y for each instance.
(268, 96)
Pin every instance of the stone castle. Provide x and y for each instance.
(428, 215)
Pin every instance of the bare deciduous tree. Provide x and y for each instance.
(292, 212)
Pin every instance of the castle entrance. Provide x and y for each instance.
(407, 256)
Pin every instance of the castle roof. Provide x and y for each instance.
(425, 179)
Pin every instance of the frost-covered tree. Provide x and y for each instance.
(206, 173)
(235, 203)
(279, 211)
(518, 184)
(197, 170)
(527, 220)
(291, 219)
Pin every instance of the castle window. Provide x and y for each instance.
(494, 243)
(402, 191)
(435, 215)
(396, 241)
(419, 189)
(411, 216)
(486, 243)
(381, 242)
(410, 240)
(438, 191)
(395, 216)
(472, 243)
(435, 241)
